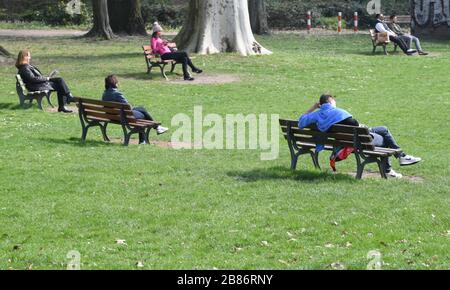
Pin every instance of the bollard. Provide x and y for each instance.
(308, 21)
(339, 22)
(355, 20)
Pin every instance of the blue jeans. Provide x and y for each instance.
(382, 137)
(141, 113)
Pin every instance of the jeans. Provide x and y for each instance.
(382, 137)
(400, 42)
(141, 113)
(60, 86)
(414, 39)
(181, 57)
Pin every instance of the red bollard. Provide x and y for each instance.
(339, 22)
(355, 21)
(308, 21)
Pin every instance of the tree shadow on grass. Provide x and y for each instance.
(283, 173)
(14, 106)
(154, 76)
(77, 142)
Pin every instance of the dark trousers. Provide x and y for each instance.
(382, 137)
(181, 57)
(141, 113)
(400, 42)
(60, 86)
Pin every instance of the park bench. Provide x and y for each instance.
(304, 141)
(25, 95)
(154, 60)
(94, 113)
(375, 41)
(402, 19)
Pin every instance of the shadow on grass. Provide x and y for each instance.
(73, 141)
(93, 58)
(155, 75)
(14, 106)
(283, 173)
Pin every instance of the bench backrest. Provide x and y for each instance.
(402, 19)
(338, 135)
(149, 55)
(107, 111)
(20, 86)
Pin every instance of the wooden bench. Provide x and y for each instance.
(304, 141)
(376, 43)
(94, 113)
(25, 95)
(401, 19)
(154, 60)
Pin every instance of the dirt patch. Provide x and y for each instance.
(376, 174)
(48, 108)
(207, 79)
(41, 32)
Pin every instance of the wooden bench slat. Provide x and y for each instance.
(102, 103)
(341, 136)
(113, 111)
(335, 128)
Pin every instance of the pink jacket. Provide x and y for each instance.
(159, 47)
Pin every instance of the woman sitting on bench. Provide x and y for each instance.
(112, 94)
(327, 115)
(167, 51)
(35, 81)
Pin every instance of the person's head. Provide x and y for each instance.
(24, 57)
(111, 82)
(380, 17)
(393, 18)
(157, 29)
(326, 98)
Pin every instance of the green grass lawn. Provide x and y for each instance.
(225, 209)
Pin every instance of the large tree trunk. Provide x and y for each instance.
(215, 26)
(258, 16)
(126, 18)
(101, 26)
(4, 52)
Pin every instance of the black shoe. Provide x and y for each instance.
(198, 71)
(70, 99)
(423, 53)
(188, 78)
(64, 110)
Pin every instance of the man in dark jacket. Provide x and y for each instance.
(112, 94)
(35, 81)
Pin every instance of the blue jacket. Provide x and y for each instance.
(114, 95)
(324, 118)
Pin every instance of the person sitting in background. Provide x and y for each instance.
(166, 50)
(381, 27)
(402, 34)
(112, 94)
(35, 81)
(328, 114)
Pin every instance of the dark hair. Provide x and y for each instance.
(325, 99)
(377, 16)
(155, 34)
(393, 16)
(111, 82)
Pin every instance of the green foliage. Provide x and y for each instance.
(330, 23)
(202, 209)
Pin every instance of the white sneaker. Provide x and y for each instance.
(411, 51)
(161, 130)
(394, 174)
(142, 143)
(408, 160)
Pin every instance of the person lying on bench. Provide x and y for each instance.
(112, 94)
(328, 114)
(410, 38)
(381, 26)
(35, 81)
(166, 51)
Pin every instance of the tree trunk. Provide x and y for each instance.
(4, 52)
(258, 16)
(126, 17)
(101, 26)
(215, 26)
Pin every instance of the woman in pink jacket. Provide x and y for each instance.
(167, 51)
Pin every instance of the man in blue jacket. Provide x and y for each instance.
(325, 114)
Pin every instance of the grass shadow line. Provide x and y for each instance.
(14, 106)
(283, 173)
(74, 141)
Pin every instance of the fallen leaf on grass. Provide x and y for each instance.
(140, 264)
(121, 242)
(329, 246)
(337, 266)
(265, 243)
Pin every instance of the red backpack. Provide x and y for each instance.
(339, 154)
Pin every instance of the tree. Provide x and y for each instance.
(4, 52)
(258, 16)
(125, 17)
(101, 27)
(214, 26)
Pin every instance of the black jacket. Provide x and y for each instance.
(33, 79)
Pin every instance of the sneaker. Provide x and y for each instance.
(409, 160)
(188, 78)
(161, 130)
(142, 143)
(394, 174)
(411, 51)
(423, 53)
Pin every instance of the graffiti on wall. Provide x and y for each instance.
(435, 11)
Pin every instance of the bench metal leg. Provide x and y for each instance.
(103, 129)
(173, 67)
(48, 99)
(163, 71)
(315, 158)
(385, 50)
(374, 49)
(39, 101)
(147, 135)
(294, 160)
(382, 166)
